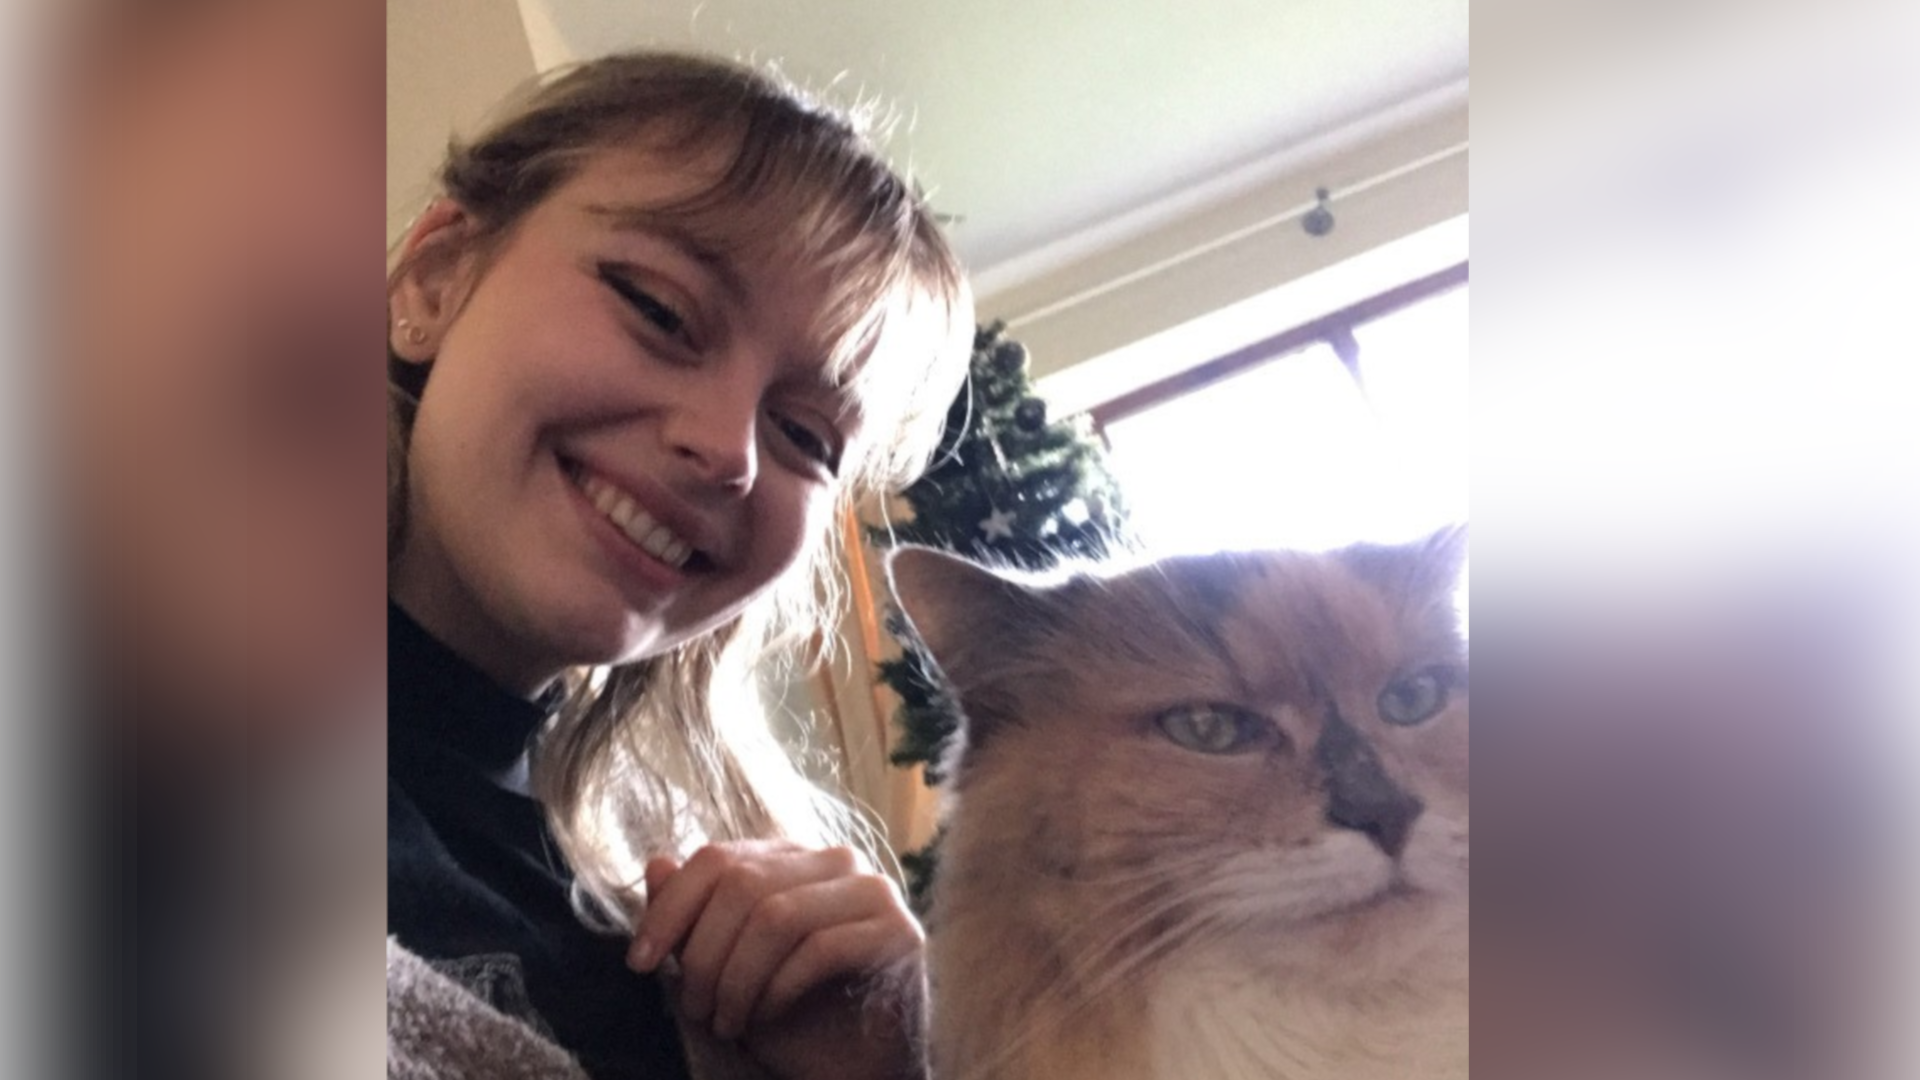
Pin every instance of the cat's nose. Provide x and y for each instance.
(1360, 794)
(1385, 817)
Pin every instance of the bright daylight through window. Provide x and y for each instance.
(1295, 453)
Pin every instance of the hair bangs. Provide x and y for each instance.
(895, 326)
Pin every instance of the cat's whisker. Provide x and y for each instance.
(1108, 951)
(1162, 869)
(1113, 958)
(1153, 908)
(1122, 967)
(1083, 998)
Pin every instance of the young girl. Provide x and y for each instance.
(666, 319)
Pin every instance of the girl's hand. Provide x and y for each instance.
(812, 962)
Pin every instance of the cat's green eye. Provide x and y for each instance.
(1416, 698)
(1211, 729)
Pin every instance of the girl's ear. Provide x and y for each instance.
(437, 264)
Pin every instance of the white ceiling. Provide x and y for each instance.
(1038, 120)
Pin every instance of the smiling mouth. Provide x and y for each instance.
(640, 528)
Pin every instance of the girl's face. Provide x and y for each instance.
(625, 437)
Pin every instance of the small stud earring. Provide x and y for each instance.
(413, 334)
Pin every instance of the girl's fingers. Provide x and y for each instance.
(672, 898)
(659, 869)
(642, 954)
(743, 887)
(838, 952)
(776, 927)
(698, 909)
(677, 896)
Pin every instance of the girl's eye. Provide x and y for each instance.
(1212, 729)
(816, 447)
(650, 307)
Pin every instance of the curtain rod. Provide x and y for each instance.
(1293, 213)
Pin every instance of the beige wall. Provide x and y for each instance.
(448, 63)
(1170, 266)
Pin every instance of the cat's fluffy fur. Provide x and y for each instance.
(1111, 904)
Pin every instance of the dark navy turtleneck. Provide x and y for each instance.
(473, 875)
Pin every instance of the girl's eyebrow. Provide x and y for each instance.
(623, 217)
(835, 388)
(833, 392)
(841, 398)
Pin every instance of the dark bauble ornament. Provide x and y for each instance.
(1030, 415)
(1009, 358)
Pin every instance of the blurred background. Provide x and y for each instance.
(1694, 465)
(202, 748)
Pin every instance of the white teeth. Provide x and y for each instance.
(647, 534)
(603, 496)
(624, 512)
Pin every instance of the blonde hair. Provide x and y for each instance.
(671, 750)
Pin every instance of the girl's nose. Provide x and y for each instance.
(718, 439)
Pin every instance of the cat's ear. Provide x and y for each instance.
(1428, 568)
(1445, 555)
(953, 603)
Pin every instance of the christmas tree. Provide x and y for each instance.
(1008, 488)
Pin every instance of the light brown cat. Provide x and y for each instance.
(1208, 819)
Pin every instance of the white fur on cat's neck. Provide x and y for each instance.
(1282, 1003)
(1279, 1001)
(1212, 1017)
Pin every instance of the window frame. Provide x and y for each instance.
(1335, 330)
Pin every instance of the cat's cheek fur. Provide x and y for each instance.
(1436, 858)
(1272, 892)
(1311, 986)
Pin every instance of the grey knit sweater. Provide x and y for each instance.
(458, 1022)
(440, 1029)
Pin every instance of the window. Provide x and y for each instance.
(1286, 445)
